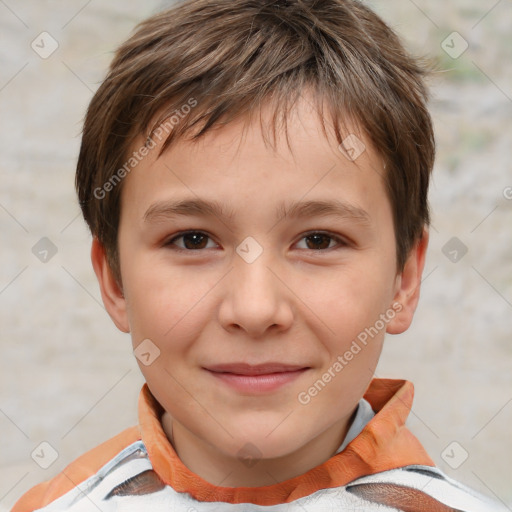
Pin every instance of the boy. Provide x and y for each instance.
(255, 177)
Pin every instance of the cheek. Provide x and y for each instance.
(350, 300)
(164, 303)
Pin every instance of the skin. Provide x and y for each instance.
(302, 301)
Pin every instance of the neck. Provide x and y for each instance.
(220, 469)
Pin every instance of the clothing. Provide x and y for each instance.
(384, 463)
(364, 414)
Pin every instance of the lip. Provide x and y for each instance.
(254, 369)
(253, 379)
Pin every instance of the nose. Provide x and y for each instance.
(256, 298)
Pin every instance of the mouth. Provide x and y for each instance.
(254, 379)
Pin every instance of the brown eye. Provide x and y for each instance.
(192, 240)
(318, 241)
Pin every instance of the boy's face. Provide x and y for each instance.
(260, 288)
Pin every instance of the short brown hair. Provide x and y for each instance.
(230, 56)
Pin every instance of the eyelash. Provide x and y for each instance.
(340, 241)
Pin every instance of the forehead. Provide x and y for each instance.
(236, 166)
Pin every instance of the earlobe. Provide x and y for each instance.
(408, 286)
(111, 293)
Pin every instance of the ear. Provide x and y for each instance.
(407, 290)
(111, 293)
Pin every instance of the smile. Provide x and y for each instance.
(256, 378)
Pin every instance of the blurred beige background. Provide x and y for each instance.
(68, 377)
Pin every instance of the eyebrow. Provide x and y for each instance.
(164, 210)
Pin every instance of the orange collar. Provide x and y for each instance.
(385, 443)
